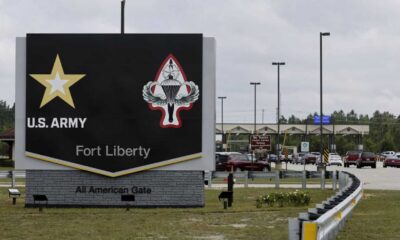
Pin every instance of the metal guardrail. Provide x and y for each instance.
(13, 175)
(16, 173)
(328, 218)
(276, 176)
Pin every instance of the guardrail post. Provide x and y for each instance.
(323, 180)
(12, 179)
(310, 230)
(304, 182)
(246, 179)
(209, 178)
(277, 180)
(334, 180)
(341, 181)
(294, 229)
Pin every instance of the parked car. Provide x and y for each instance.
(334, 159)
(386, 154)
(297, 158)
(391, 162)
(351, 158)
(272, 158)
(309, 158)
(242, 162)
(318, 156)
(283, 159)
(222, 158)
(366, 159)
(251, 156)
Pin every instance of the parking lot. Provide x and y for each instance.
(379, 178)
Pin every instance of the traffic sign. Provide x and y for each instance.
(305, 146)
(326, 155)
(260, 142)
(286, 153)
(325, 119)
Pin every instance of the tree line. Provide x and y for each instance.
(7, 119)
(6, 116)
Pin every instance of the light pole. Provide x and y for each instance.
(123, 17)
(222, 121)
(255, 111)
(321, 34)
(255, 103)
(278, 160)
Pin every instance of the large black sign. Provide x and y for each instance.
(114, 104)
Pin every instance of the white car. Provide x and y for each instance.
(335, 159)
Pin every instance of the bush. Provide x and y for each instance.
(6, 163)
(296, 198)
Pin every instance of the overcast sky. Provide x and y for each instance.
(361, 56)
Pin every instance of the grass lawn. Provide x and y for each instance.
(6, 168)
(242, 221)
(377, 216)
(8, 180)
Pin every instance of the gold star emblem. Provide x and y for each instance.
(57, 83)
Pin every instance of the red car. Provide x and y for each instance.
(242, 162)
(391, 162)
(351, 158)
(222, 158)
(366, 159)
(309, 158)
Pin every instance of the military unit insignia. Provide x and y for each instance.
(170, 92)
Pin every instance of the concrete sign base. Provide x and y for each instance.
(71, 188)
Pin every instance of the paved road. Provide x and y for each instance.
(379, 178)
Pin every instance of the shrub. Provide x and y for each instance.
(296, 198)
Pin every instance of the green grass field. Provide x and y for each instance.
(377, 216)
(242, 221)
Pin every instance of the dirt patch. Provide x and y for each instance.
(211, 237)
(194, 219)
(368, 195)
(240, 225)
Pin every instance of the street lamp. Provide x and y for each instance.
(255, 102)
(222, 121)
(122, 16)
(321, 34)
(278, 160)
(255, 105)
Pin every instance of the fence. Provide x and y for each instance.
(12, 175)
(328, 218)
